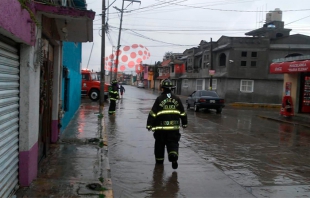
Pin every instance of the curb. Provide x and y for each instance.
(288, 122)
(105, 165)
(255, 105)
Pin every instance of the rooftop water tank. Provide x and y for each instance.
(276, 15)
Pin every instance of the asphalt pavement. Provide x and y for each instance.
(79, 166)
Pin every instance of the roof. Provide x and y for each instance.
(73, 25)
(165, 63)
(199, 53)
(183, 58)
(221, 47)
(163, 77)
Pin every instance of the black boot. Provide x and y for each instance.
(174, 159)
(159, 161)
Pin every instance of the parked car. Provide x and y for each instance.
(140, 85)
(205, 99)
(91, 85)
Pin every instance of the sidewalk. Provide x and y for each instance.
(78, 164)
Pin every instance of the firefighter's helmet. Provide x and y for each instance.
(167, 84)
(114, 82)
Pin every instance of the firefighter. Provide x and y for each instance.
(164, 119)
(113, 95)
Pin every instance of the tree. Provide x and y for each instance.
(168, 55)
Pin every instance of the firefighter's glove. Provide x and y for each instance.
(149, 128)
(184, 126)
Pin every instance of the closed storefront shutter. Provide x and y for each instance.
(9, 118)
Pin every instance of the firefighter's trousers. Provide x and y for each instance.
(169, 139)
(112, 106)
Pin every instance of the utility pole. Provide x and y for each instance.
(112, 65)
(119, 34)
(102, 71)
(211, 65)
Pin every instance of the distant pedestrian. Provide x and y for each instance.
(122, 90)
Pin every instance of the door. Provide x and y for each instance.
(9, 117)
(46, 96)
(85, 83)
(192, 98)
(305, 93)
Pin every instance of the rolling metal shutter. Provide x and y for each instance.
(9, 118)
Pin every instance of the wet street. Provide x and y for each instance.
(233, 154)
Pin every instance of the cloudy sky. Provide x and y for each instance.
(159, 26)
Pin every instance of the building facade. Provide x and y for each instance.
(31, 77)
(237, 68)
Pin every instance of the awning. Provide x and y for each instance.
(73, 25)
(290, 67)
(163, 77)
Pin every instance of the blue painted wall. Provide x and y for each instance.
(72, 58)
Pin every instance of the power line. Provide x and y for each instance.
(227, 10)
(297, 20)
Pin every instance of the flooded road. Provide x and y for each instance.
(233, 154)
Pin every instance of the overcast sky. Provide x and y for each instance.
(158, 26)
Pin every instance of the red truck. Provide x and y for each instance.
(91, 85)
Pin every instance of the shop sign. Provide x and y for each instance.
(290, 67)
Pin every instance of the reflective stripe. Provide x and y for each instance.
(183, 114)
(161, 159)
(112, 99)
(168, 112)
(152, 114)
(173, 152)
(165, 128)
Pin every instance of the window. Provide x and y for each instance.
(205, 57)
(222, 59)
(247, 86)
(214, 84)
(244, 54)
(85, 76)
(253, 63)
(243, 63)
(172, 69)
(185, 83)
(254, 54)
(199, 84)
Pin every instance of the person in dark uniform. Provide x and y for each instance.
(164, 119)
(113, 95)
(122, 90)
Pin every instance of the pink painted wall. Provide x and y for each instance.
(28, 165)
(16, 22)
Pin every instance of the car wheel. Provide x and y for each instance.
(94, 95)
(196, 108)
(219, 110)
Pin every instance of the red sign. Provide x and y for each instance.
(211, 72)
(290, 67)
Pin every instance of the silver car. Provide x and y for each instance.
(140, 85)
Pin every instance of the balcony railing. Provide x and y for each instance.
(78, 4)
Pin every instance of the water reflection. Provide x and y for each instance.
(162, 187)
